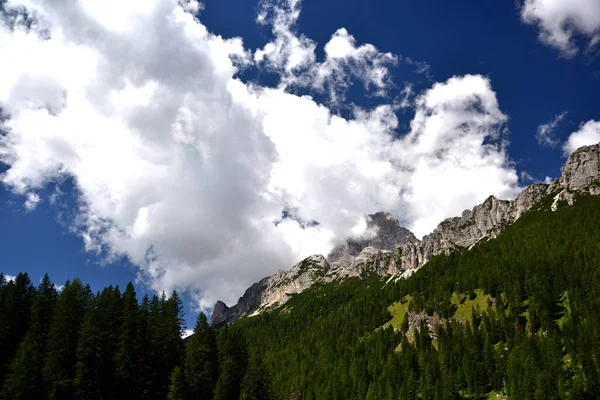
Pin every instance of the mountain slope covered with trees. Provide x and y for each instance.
(537, 336)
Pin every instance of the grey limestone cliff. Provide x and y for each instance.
(393, 251)
(272, 290)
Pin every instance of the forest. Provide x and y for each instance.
(75, 344)
(538, 337)
(533, 331)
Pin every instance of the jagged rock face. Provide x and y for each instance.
(394, 250)
(387, 235)
(484, 220)
(369, 260)
(582, 169)
(251, 299)
(272, 290)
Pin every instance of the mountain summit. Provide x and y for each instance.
(391, 250)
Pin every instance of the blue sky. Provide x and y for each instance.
(183, 185)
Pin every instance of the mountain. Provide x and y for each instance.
(514, 318)
(393, 251)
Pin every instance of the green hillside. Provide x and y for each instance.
(516, 316)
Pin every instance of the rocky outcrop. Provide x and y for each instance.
(582, 170)
(383, 233)
(391, 250)
(272, 290)
(485, 220)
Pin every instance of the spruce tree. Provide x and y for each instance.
(128, 348)
(85, 380)
(177, 386)
(17, 297)
(233, 360)
(25, 380)
(62, 340)
(256, 382)
(202, 360)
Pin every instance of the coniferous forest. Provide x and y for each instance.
(517, 317)
(79, 345)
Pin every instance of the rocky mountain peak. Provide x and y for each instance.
(582, 170)
(383, 233)
(273, 290)
(393, 251)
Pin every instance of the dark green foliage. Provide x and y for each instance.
(25, 380)
(59, 368)
(129, 346)
(76, 345)
(177, 387)
(15, 303)
(233, 360)
(256, 382)
(201, 360)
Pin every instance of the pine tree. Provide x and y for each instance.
(202, 360)
(145, 357)
(62, 340)
(96, 349)
(128, 348)
(172, 349)
(256, 382)
(85, 381)
(233, 360)
(177, 387)
(25, 380)
(14, 318)
(174, 326)
(153, 384)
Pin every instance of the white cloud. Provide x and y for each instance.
(527, 177)
(294, 56)
(187, 333)
(183, 168)
(9, 278)
(545, 132)
(32, 201)
(560, 22)
(455, 153)
(588, 133)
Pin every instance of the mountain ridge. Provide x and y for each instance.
(394, 251)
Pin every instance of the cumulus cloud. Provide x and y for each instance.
(457, 133)
(208, 183)
(588, 133)
(545, 134)
(9, 278)
(293, 56)
(560, 22)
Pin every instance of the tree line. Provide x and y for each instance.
(75, 344)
